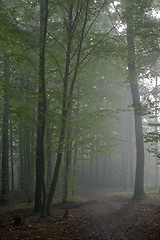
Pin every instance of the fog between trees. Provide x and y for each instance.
(79, 96)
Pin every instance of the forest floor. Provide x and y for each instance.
(100, 216)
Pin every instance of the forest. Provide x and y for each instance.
(80, 122)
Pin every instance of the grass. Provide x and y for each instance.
(16, 207)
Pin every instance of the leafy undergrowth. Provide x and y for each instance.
(110, 218)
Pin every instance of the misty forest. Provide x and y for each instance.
(80, 121)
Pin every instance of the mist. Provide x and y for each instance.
(79, 145)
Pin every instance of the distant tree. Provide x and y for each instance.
(152, 134)
(11, 153)
(5, 137)
(13, 43)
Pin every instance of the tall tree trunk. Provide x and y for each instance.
(96, 174)
(91, 163)
(75, 153)
(21, 157)
(123, 175)
(58, 163)
(49, 155)
(110, 178)
(156, 130)
(131, 167)
(27, 162)
(67, 166)
(68, 87)
(130, 149)
(32, 156)
(11, 153)
(5, 138)
(63, 126)
(139, 178)
(40, 183)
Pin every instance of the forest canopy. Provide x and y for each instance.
(79, 85)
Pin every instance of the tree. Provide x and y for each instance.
(75, 14)
(88, 128)
(152, 132)
(133, 80)
(5, 137)
(40, 194)
(12, 43)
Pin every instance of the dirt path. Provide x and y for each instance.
(100, 217)
(118, 217)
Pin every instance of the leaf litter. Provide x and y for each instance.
(108, 218)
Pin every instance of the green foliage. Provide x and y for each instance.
(100, 100)
(11, 35)
(152, 137)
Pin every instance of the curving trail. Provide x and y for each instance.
(120, 218)
(101, 217)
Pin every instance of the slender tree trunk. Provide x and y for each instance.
(28, 162)
(32, 156)
(156, 130)
(67, 166)
(57, 166)
(75, 153)
(91, 163)
(131, 167)
(22, 179)
(104, 171)
(82, 166)
(64, 114)
(123, 176)
(68, 87)
(96, 174)
(5, 139)
(40, 182)
(75, 147)
(49, 155)
(111, 179)
(63, 123)
(11, 153)
(130, 149)
(139, 178)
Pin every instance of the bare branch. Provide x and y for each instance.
(56, 40)
(94, 46)
(94, 20)
(58, 65)
(79, 52)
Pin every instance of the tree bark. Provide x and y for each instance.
(22, 177)
(139, 178)
(5, 138)
(156, 130)
(40, 183)
(67, 90)
(49, 155)
(67, 166)
(11, 153)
